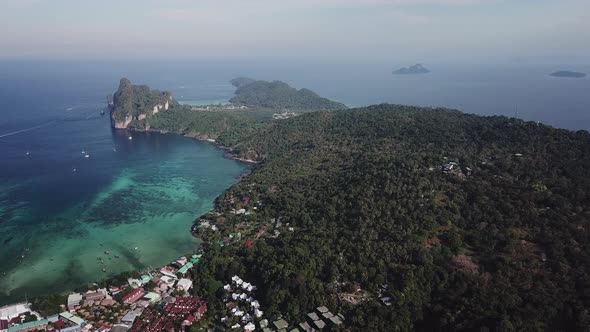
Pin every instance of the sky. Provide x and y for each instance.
(459, 30)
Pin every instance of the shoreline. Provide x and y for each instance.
(201, 249)
(201, 138)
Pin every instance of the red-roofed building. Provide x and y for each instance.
(135, 295)
(3, 324)
(248, 243)
(202, 310)
(188, 321)
(184, 311)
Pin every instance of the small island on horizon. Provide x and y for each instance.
(412, 70)
(568, 74)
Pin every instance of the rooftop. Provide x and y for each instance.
(28, 326)
(322, 309)
(72, 318)
(281, 324)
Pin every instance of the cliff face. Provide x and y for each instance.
(136, 102)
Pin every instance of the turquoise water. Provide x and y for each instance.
(139, 206)
(60, 210)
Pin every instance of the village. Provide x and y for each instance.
(161, 300)
(158, 300)
(219, 107)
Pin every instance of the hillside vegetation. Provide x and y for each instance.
(279, 96)
(498, 242)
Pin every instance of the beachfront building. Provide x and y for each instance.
(133, 296)
(12, 311)
(184, 269)
(74, 300)
(30, 326)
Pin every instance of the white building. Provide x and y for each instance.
(184, 284)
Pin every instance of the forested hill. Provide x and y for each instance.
(465, 222)
(279, 96)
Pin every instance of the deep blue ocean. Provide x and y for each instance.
(59, 210)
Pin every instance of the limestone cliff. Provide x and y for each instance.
(136, 102)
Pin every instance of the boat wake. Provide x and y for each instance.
(27, 129)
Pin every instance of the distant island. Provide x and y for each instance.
(412, 70)
(568, 74)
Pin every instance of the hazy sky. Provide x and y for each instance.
(368, 29)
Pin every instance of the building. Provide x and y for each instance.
(130, 317)
(133, 296)
(305, 327)
(165, 318)
(152, 297)
(119, 328)
(281, 324)
(336, 320)
(13, 311)
(74, 300)
(30, 326)
(184, 269)
(168, 271)
(319, 324)
(72, 318)
(184, 284)
(99, 295)
(134, 283)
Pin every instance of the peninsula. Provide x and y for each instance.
(568, 74)
(403, 214)
(412, 70)
(137, 106)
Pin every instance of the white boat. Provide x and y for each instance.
(86, 156)
(130, 138)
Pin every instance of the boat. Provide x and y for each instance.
(130, 137)
(106, 252)
(87, 156)
(28, 153)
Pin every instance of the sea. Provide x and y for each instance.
(80, 202)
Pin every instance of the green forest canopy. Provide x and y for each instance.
(504, 248)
